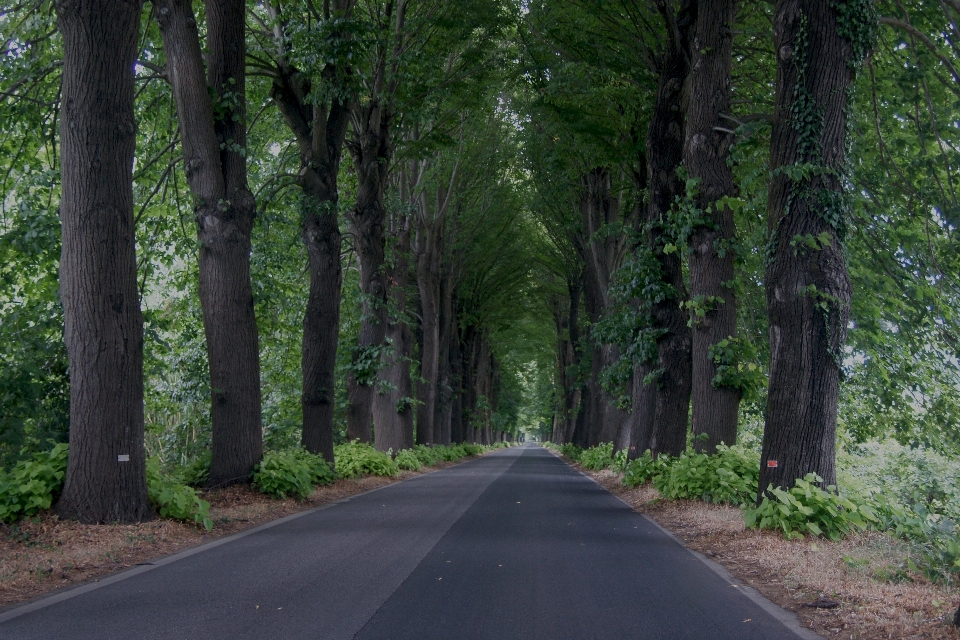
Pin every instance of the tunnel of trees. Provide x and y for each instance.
(232, 227)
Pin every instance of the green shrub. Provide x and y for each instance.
(33, 484)
(406, 459)
(194, 473)
(806, 508)
(356, 459)
(453, 452)
(598, 457)
(619, 462)
(643, 469)
(174, 499)
(472, 449)
(427, 456)
(571, 451)
(291, 472)
(729, 476)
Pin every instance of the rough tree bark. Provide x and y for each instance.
(443, 424)
(215, 165)
(392, 406)
(103, 326)
(808, 289)
(706, 152)
(565, 316)
(428, 283)
(664, 153)
(319, 130)
(371, 157)
(452, 412)
(603, 253)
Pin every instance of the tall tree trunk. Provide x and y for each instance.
(644, 404)
(706, 153)
(595, 400)
(808, 290)
(453, 411)
(428, 282)
(664, 153)
(574, 353)
(103, 326)
(448, 336)
(393, 406)
(214, 152)
(371, 157)
(603, 254)
(321, 320)
(319, 129)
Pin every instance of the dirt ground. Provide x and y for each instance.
(862, 576)
(43, 554)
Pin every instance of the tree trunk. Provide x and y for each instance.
(428, 282)
(469, 398)
(664, 153)
(319, 129)
(321, 322)
(808, 289)
(595, 400)
(453, 412)
(447, 336)
(103, 326)
(712, 252)
(215, 164)
(574, 354)
(371, 158)
(644, 407)
(393, 405)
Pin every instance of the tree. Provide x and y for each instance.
(819, 47)
(712, 241)
(103, 326)
(317, 111)
(213, 133)
(670, 372)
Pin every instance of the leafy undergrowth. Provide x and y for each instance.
(879, 594)
(41, 553)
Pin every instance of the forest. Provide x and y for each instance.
(658, 230)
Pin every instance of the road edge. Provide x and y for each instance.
(784, 616)
(46, 600)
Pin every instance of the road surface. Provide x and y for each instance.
(515, 544)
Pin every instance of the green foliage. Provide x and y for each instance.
(195, 472)
(407, 460)
(598, 457)
(729, 476)
(32, 484)
(807, 509)
(735, 359)
(571, 451)
(643, 469)
(174, 499)
(291, 472)
(355, 459)
(700, 306)
(619, 462)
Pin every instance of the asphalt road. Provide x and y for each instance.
(512, 545)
